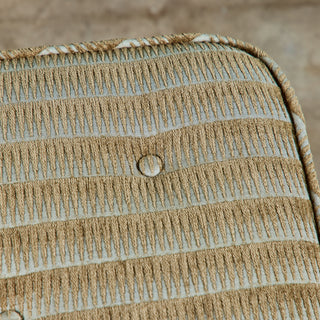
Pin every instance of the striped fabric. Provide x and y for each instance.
(167, 178)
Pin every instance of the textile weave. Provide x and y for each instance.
(227, 230)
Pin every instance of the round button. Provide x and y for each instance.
(150, 165)
(10, 315)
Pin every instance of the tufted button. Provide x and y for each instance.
(150, 165)
(11, 315)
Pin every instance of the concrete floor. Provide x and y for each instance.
(289, 30)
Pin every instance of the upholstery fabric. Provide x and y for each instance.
(157, 178)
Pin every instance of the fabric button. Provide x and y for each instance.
(10, 315)
(150, 165)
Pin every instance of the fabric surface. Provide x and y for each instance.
(162, 178)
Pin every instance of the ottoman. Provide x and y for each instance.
(161, 178)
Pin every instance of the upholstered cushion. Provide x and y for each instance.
(152, 179)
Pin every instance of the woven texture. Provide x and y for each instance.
(224, 227)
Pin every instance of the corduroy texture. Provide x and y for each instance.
(227, 229)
